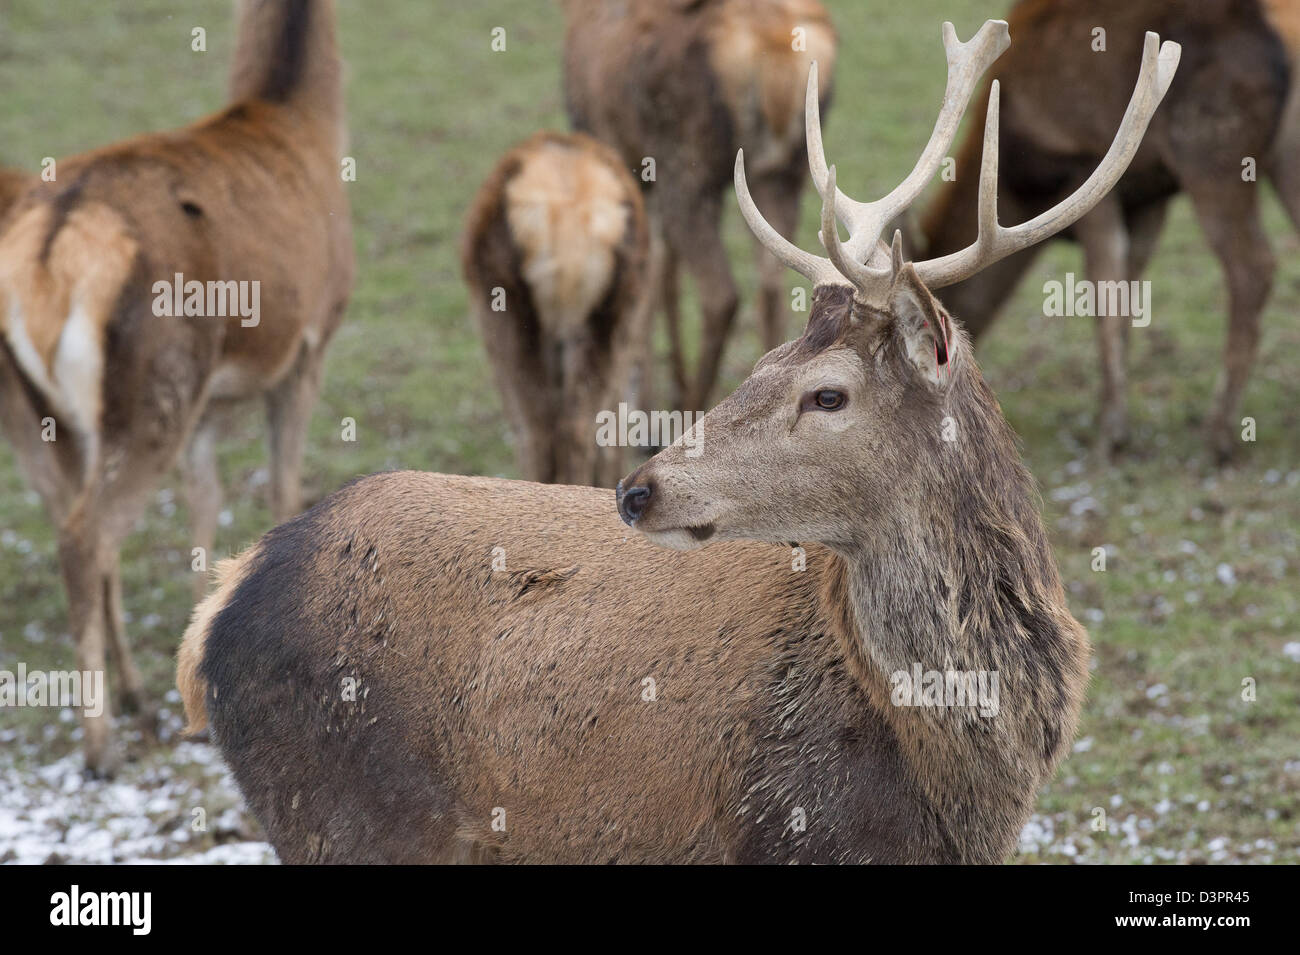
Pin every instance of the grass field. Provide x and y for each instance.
(1201, 588)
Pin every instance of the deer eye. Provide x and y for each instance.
(826, 400)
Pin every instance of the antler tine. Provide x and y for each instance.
(856, 272)
(995, 242)
(812, 124)
(812, 267)
(966, 64)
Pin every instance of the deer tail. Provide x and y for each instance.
(64, 265)
(761, 57)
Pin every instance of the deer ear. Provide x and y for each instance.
(922, 325)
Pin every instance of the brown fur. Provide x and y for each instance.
(688, 84)
(251, 193)
(1226, 102)
(771, 735)
(53, 268)
(559, 226)
(12, 184)
(226, 573)
(1284, 17)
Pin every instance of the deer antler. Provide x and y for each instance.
(1159, 63)
(815, 268)
(851, 261)
(866, 220)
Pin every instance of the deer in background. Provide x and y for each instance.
(553, 253)
(12, 183)
(600, 699)
(686, 83)
(1229, 104)
(253, 193)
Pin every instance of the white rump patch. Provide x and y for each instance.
(79, 369)
(29, 360)
(566, 212)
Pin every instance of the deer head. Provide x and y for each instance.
(880, 396)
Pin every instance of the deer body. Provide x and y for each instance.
(419, 660)
(686, 84)
(1229, 103)
(252, 194)
(524, 689)
(558, 234)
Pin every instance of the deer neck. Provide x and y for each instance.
(972, 593)
(287, 53)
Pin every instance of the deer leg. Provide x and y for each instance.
(1286, 180)
(582, 390)
(670, 298)
(534, 436)
(122, 505)
(1229, 216)
(635, 347)
(1284, 162)
(1144, 227)
(132, 691)
(515, 350)
(203, 492)
(1105, 243)
(81, 557)
(610, 466)
(778, 197)
(695, 239)
(288, 406)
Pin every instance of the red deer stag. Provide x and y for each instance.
(250, 195)
(1227, 105)
(553, 254)
(685, 83)
(382, 693)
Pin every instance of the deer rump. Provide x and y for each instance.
(761, 64)
(383, 694)
(567, 214)
(756, 58)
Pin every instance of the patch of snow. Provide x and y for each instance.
(51, 813)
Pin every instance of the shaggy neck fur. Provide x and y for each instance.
(969, 585)
(286, 53)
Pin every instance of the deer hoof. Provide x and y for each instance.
(131, 702)
(1222, 446)
(149, 721)
(103, 763)
(1111, 441)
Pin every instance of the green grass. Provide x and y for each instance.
(1171, 752)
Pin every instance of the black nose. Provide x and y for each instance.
(632, 502)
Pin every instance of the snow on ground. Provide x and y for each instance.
(177, 803)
